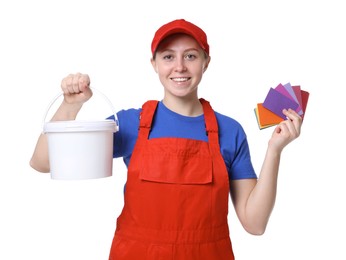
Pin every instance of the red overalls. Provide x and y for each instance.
(176, 197)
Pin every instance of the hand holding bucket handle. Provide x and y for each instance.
(95, 91)
(76, 88)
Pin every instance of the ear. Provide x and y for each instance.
(153, 63)
(206, 64)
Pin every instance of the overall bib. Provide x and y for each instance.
(176, 197)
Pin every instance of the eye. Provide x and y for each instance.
(190, 56)
(167, 57)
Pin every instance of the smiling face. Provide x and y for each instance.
(180, 63)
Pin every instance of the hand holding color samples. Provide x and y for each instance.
(269, 113)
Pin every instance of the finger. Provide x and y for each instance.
(294, 118)
(84, 82)
(63, 85)
(66, 84)
(281, 128)
(75, 83)
(288, 128)
(69, 84)
(290, 113)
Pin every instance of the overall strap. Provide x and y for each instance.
(146, 118)
(210, 122)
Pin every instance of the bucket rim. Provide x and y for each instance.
(68, 126)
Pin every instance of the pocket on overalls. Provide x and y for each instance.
(178, 191)
(177, 169)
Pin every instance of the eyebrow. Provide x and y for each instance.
(171, 50)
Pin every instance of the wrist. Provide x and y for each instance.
(67, 111)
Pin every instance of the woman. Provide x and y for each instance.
(183, 159)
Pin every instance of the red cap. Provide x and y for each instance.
(180, 26)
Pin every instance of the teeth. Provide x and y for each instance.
(180, 79)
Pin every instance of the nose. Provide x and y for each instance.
(180, 65)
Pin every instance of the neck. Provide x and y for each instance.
(185, 107)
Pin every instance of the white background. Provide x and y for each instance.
(255, 45)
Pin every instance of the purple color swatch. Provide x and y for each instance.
(276, 102)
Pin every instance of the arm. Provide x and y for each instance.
(254, 199)
(76, 91)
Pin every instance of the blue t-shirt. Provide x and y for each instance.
(166, 123)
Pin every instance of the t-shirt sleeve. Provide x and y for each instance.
(241, 167)
(125, 139)
(235, 149)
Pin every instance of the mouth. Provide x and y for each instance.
(182, 79)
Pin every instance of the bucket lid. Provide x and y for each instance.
(79, 126)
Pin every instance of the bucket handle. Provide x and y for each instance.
(94, 90)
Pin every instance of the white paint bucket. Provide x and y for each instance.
(80, 150)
